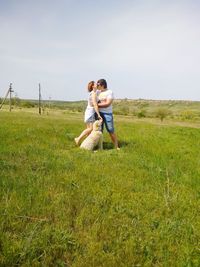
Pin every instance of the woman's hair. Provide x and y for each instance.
(102, 82)
(90, 86)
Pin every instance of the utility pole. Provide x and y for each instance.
(49, 102)
(10, 91)
(39, 99)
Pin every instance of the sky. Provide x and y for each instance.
(147, 49)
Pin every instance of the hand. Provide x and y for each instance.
(100, 118)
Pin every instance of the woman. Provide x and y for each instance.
(92, 107)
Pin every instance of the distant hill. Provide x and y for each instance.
(178, 109)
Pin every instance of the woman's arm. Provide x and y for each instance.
(94, 101)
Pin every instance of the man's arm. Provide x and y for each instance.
(106, 103)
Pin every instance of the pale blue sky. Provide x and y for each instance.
(145, 49)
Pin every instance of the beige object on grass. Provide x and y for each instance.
(95, 138)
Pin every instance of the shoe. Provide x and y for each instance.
(76, 141)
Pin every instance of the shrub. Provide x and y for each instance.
(162, 113)
(133, 111)
(27, 104)
(141, 113)
(121, 110)
(16, 101)
(188, 114)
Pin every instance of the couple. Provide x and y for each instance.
(99, 107)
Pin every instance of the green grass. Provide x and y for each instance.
(62, 206)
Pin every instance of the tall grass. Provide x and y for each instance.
(62, 206)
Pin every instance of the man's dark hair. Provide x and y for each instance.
(102, 82)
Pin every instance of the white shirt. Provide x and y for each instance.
(103, 96)
(90, 111)
(90, 100)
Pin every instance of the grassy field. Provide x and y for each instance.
(61, 206)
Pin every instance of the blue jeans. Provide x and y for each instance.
(108, 121)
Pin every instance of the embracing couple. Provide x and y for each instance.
(99, 108)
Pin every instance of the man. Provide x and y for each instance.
(105, 109)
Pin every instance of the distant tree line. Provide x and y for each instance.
(140, 108)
